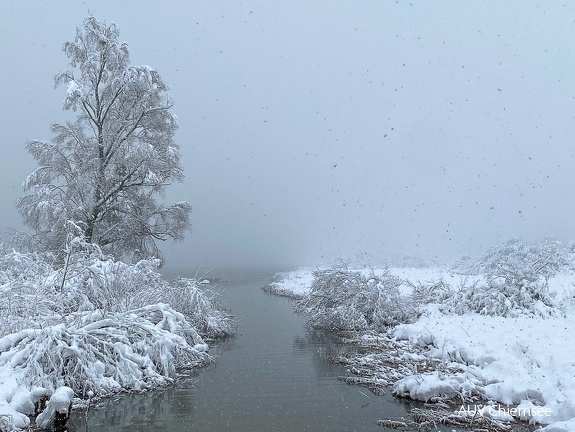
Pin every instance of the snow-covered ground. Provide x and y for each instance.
(17, 400)
(292, 284)
(523, 361)
(297, 283)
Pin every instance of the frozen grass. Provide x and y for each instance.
(499, 329)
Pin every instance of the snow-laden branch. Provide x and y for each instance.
(100, 326)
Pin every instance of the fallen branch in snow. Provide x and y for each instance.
(57, 409)
(376, 388)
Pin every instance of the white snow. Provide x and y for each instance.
(522, 361)
(14, 400)
(425, 387)
(510, 360)
(73, 88)
(104, 330)
(294, 283)
(298, 282)
(60, 402)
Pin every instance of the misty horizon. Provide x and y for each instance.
(312, 131)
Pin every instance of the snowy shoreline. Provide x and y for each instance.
(97, 328)
(522, 363)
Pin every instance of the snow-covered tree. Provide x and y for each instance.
(105, 169)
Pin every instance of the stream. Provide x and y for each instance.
(274, 375)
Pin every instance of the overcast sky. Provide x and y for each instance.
(311, 129)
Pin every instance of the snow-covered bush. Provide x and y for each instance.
(530, 260)
(95, 324)
(546, 258)
(509, 280)
(26, 299)
(516, 276)
(506, 297)
(134, 350)
(37, 294)
(423, 293)
(201, 307)
(341, 299)
(114, 286)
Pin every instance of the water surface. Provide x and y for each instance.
(272, 376)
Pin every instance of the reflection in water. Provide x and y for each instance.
(273, 376)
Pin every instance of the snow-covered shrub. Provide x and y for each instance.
(341, 299)
(511, 280)
(516, 275)
(137, 349)
(95, 324)
(37, 294)
(26, 296)
(507, 295)
(201, 307)
(466, 265)
(531, 260)
(423, 293)
(546, 258)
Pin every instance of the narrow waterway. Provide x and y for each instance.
(272, 376)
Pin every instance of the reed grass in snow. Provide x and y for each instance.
(499, 328)
(94, 326)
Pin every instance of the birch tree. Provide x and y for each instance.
(106, 169)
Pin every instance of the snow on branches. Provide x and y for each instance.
(97, 326)
(341, 299)
(106, 169)
(509, 280)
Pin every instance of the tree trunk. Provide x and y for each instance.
(89, 232)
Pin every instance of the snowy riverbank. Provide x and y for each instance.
(92, 328)
(522, 360)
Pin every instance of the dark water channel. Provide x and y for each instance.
(273, 376)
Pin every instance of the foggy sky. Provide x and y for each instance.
(312, 129)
